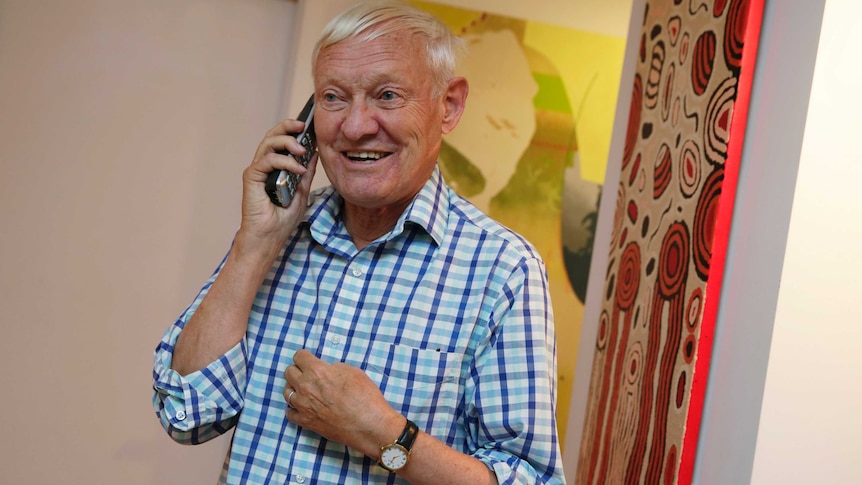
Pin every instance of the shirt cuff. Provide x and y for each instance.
(511, 470)
(207, 396)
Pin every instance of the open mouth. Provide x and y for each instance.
(365, 156)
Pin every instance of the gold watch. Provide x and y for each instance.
(395, 456)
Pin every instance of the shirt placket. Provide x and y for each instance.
(345, 308)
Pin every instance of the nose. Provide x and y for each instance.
(359, 121)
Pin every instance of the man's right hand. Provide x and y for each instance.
(262, 221)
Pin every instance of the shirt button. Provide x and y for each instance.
(300, 479)
(356, 272)
(181, 415)
(335, 339)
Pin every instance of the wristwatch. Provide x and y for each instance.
(394, 456)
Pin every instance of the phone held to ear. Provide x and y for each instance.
(281, 184)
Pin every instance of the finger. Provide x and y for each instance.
(278, 161)
(260, 169)
(285, 127)
(289, 394)
(303, 188)
(291, 375)
(310, 170)
(283, 144)
(303, 359)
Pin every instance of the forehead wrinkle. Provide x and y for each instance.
(367, 68)
(386, 59)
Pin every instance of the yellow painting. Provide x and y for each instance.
(532, 146)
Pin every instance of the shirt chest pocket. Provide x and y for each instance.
(421, 384)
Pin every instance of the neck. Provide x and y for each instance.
(366, 225)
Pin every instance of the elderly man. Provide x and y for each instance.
(385, 331)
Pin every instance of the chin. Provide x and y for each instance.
(363, 197)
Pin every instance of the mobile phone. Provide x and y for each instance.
(281, 184)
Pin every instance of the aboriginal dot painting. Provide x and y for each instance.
(672, 217)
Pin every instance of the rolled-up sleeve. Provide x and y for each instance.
(203, 404)
(514, 385)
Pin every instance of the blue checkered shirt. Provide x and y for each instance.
(449, 314)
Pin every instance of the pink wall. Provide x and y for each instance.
(124, 129)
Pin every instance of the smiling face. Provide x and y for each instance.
(378, 122)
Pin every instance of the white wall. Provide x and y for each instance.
(124, 128)
(783, 401)
(753, 272)
(811, 420)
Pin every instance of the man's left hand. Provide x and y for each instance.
(341, 403)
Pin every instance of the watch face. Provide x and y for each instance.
(393, 457)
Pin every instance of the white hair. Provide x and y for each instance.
(371, 19)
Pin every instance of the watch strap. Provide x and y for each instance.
(408, 436)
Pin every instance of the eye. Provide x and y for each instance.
(331, 101)
(388, 96)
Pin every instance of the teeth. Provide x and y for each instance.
(365, 155)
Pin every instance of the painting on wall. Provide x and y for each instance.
(666, 257)
(531, 149)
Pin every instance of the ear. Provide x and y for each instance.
(454, 101)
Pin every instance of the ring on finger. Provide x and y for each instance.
(289, 397)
